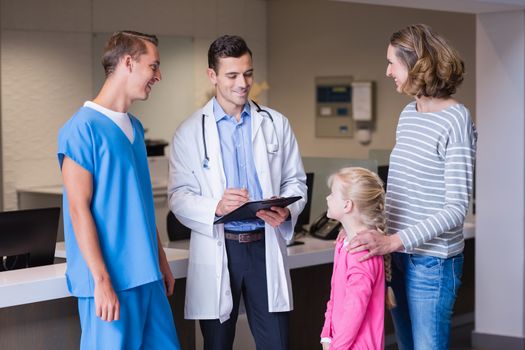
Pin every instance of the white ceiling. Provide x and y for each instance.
(466, 6)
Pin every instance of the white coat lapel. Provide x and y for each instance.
(260, 154)
(215, 174)
(257, 119)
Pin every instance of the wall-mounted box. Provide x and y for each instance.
(333, 107)
(362, 101)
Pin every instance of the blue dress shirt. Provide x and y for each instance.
(237, 159)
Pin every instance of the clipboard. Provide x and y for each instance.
(249, 209)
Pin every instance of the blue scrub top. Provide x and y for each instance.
(122, 202)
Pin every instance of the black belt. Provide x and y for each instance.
(244, 236)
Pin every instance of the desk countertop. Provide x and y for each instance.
(49, 282)
(159, 188)
(312, 252)
(42, 283)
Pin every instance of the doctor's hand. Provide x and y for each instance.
(107, 306)
(232, 199)
(275, 216)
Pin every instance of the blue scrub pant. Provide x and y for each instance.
(247, 268)
(146, 321)
(426, 288)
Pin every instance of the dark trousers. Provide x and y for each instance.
(246, 264)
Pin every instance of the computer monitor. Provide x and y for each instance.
(304, 217)
(28, 237)
(382, 171)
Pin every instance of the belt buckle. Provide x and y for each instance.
(244, 238)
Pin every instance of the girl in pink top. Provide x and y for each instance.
(354, 317)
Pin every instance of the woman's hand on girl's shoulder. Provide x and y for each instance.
(375, 242)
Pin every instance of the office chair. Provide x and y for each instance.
(176, 230)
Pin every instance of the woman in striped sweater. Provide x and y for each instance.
(429, 187)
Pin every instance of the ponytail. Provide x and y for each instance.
(390, 298)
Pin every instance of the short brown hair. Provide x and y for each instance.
(226, 46)
(122, 43)
(435, 68)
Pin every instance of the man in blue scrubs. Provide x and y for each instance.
(116, 266)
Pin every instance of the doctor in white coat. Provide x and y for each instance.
(206, 181)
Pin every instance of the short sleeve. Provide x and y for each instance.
(75, 141)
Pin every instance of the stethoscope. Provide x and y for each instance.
(206, 161)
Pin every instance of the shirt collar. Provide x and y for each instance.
(219, 113)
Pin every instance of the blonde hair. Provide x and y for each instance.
(365, 189)
(435, 68)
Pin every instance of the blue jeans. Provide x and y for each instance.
(426, 288)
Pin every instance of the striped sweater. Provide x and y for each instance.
(430, 179)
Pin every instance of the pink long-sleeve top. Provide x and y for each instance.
(354, 317)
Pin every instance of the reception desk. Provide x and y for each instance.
(37, 312)
(18, 287)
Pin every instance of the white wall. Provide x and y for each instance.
(500, 242)
(312, 38)
(172, 98)
(46, 67)
(40, 90)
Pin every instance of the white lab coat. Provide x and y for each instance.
(195, 191)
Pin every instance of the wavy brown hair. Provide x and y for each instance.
(226, 46)
(435, 68)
